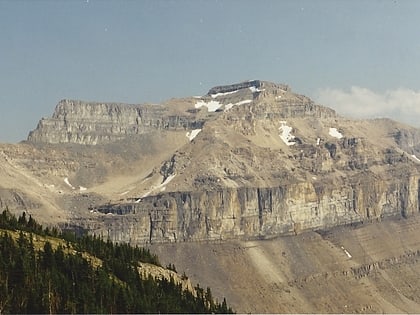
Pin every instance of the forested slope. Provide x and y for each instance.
(46, 271)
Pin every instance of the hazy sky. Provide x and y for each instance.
(359, 57)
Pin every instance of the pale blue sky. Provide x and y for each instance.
(149, 51)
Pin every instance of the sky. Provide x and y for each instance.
(361, 58)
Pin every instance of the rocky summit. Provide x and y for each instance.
(236, 168)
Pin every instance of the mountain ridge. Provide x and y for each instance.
(98, 122)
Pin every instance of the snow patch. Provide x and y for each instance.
(167, 180)
(124, 193)
(285, 133)
(146, 194)
(230, 105)
(255, 89)
(191, 135)
(318, 141)
(346, 252)
(161, 187)
(81, 188)
(212, 106)
(66, 180)
(243, 102)
(335, 133)
(416, 158)
(223, 94)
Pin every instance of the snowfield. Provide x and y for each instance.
(243, 102)
(254, 89)
(191, 135)
(161, 187)
(212, 106)
(335, 133)
(66, 180)
(415, 158)
(223, 94)
(285, 133)
(167, 180)
(346, 252)
(81, 188)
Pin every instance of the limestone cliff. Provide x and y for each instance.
(261, 212)
(96, 123)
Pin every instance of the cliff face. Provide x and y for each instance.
(260, 212)
(98, 123)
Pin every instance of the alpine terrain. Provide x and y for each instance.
(275, 202)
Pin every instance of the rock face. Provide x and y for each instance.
(258, 161)
(98, 123)
(409, 140)
(261, 212)
(253, 84)
(15, 200)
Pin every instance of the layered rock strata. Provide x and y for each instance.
(98, 123)
(259, 212)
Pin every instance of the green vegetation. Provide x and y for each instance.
(62, 277)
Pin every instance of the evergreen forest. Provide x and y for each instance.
(47, 271)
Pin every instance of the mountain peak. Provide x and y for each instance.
(82, 122)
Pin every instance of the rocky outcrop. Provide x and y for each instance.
(408, 139)
(96, 123)
(234, 87)
(15, 200)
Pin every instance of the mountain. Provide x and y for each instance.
(235, 169)
(250, 160)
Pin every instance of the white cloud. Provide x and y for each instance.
(401, 104)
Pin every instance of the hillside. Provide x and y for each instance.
(366, 268)
(45, 271)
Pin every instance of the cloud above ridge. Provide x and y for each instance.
(400, 104)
